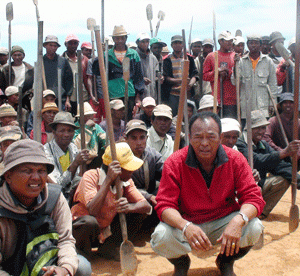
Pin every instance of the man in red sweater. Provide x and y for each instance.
(207, 195)
(225, 66)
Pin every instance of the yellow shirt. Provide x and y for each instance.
(254, 62)
(65, 161)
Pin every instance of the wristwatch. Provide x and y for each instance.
(245, 218)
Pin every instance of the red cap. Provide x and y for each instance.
(71, 37)
(87, 45)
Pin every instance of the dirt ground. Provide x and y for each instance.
(279, 255)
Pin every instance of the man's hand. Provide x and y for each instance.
(223, 72)
(68, 106)
(256, 175)
(230, 239)
(90, 123)
(82, 157)
(95, 102)
(55, 270)
(123, 206)
(114, 170)
(147, 81)
(153, 200)
(292, 148)
(197, 238)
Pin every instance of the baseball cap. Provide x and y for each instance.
(3, 51)
(291, 42)
(176, 38)
(148, 101)
(287, 96)
(135, 124)
(208, 41)
(196, 40)
(226, 35)
(163, 110)
(125, 156)
(238, 39)
(10, 133)
(25, 151)
(142, 36)
(71, 37)
(229, 124)
(48, 92)
(87, 45)
(155, 40)
(17, 48)
(11, 90)
(254, 37)
(116, 104)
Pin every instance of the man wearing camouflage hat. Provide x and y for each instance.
(258, 69)
(275, 173)
(52, 62)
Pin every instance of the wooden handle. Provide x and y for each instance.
(238, 101)
(216, 82)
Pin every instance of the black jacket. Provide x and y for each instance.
(266, 159)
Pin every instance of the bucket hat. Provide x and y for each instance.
(51, 38)
(10, 133)
(25, 151)
(65, 118)
(7, 110)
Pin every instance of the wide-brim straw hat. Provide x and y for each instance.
(119, 31)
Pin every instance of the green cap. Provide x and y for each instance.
(157, 40)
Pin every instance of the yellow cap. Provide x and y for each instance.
(125, 156)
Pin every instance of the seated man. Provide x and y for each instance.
(231, 131)
(266, 160)
(64, 154)
(96, 202)
(273, 135)
(196, 200)
(48, 113)
(94, 137)
(148, 104)
(157, 134)
(36, 233)
(117, 113)
(145, 177)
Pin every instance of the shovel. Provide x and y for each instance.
(9, 18)
(161, 17)
(150, 17)
(35, 2)
(91, 23)
(126, 77)
(284, 53)
(294, 211)
(20, 113)
(128, 258)
(238, 32)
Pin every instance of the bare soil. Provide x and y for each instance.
(279, 255)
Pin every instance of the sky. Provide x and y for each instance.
(63, 17)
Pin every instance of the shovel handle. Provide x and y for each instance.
(216, 75)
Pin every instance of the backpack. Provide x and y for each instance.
(36, 246)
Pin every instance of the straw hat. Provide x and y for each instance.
(88, 110)
(50, 106)
(63, 118)
(7, 110)
(119, 31)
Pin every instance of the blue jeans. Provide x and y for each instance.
(84, 267)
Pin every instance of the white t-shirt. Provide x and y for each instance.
(19, 75)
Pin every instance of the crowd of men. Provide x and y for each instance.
(202, 195)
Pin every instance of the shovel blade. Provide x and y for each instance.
(9, 11)
(149, 12)
(129, 261)
(91, 23)
(294, 218)
(161, 15)
(238, 33)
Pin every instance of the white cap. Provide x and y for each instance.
(196, 40)
(229, 124)
(226, 35)
(142, 36)
(238, 39)
(206, 101)
(11, 90)
(3, 51)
